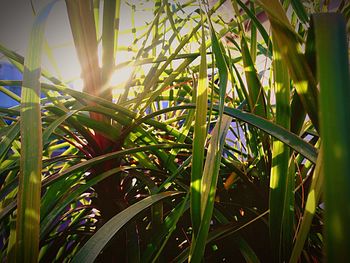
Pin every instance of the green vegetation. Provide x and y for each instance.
(205, 155)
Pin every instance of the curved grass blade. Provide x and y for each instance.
(109, 156)
(269, 127)
(28, 211)
(48, 221)
(83, 166)
(287, 137)
(93, 247)
(50, 129)
(276, 131)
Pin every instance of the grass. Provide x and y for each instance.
(203, 156)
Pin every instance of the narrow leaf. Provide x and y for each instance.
(281, 186)
(312, 201)
(93, 247)
(200, 135)
(333, 74)
(208, 185)
(300, 72)
(28, 211)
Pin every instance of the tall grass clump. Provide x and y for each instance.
(227, 142)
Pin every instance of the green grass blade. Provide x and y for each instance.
(116, 25)
(50, 129)
(287, 137)
(310, 209)
(267, 126)
(276, 131)
(168, 227)
(219, 233)
(281, 186)
(49, 220)
(170, 15)
(256, 93)
(218, 51)
(213, 158)
(83, 166)
(298, 114)
(300, 72)
(217, 140)
(253, 35)
(299, 9)
(208, 187)
(7, 140)
(93, 247)
(96, 6)
(109, 156)
(184, 41)
(247, 252)
(333, 74)
(18, 61)
(10, 94)
(49, 53)
(256, 99)
(258, 25)
(153, 95)
(200, 135)
(28, 211)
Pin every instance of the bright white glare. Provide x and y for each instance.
(119, 79)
